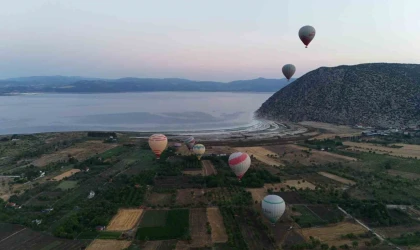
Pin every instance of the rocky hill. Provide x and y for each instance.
(376, 94)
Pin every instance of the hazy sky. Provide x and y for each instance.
(201, 39)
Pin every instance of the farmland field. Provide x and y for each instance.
(405, 150)
(193, 172)
(337, 178)
(291, 197)
(80, 151)
(159, 199)
(108, 245)
(297, 154)
(125, 219)
(18, 237)
(65, 185)
(176, 182)
(331, 234)
(208, 168)
(218, 231)
(260, 154)
(66, 174)
(171, 224)
(190, 196)
(307, 218)
(198, 227)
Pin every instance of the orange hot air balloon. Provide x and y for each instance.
(158, 143)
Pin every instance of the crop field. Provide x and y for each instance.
(404, 150)
(291, 197)
(337, 178)
(191, 196)
(298, 184)
(336, 129)
(65, 185)
(161, 199)
(331, 234)
(208, 168)
(99, 244)
(66, 174)
(247, 226)
(327, 213)
(307, 218)
(292, 237)
(301, 155)
(320, 180)
(80, 151)
(219, 150)
(18, 237)
(170, 224)
(396, 231)
(154, 218)
(125, 219)
(218, 230)
(198, 228)
(260, 154)
(44, 198)
(193, 172)
(175, 182)
(159, 245)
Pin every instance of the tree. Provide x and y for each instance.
(355, 244)
(324, 246)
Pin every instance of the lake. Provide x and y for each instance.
(145, 111)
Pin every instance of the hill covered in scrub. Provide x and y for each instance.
(375, 94)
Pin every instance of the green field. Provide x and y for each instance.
(175, 226)
(65, 185)
(154, 218)
(307, 218)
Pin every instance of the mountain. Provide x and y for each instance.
(62, 84)
(376, 94)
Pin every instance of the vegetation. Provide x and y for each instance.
(175, 226)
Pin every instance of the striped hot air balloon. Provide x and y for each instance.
(190, 141)
(177, 145)
(273, 207)
(239, 162)
(199, 150)
(158, 143)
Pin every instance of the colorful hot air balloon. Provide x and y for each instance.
(190, 141)
(177, 145)
(288, 70)
(158, 143)
(239, 162)
(306, 34)
(273, 207)
(199, 150)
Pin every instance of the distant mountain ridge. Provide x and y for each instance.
(374, 94)
(76, 84)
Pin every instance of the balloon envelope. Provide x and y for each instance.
(239, 162)
(288, 70)
(158, 143)
(199, 150)
(190, 141)
(273, 207)
(306, 34)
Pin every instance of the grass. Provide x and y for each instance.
(176, 226)
(65, 185)
(307, 218)
(154, 218)
(89, 235)
(410, 239)
(113, 152)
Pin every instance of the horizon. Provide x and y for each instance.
(201, 41)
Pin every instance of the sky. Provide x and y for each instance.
(219, 40)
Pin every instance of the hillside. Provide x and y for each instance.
(62, 84)
(378, 94)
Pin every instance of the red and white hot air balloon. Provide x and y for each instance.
(239, 163)
(158, 143)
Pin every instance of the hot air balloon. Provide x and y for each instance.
(190, 141)
(288, 70)
(273, 207)
(158, 143)
(177, 145)
(199, 150)
(306, 34)
(239, 162)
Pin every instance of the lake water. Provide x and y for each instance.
(150, 111)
